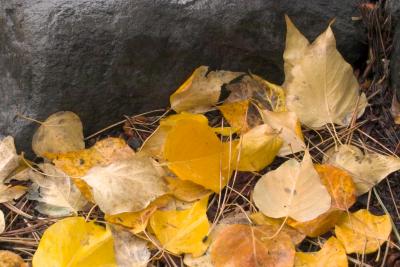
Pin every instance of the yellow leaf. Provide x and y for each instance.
(9, 193)
(320, 85)
(201, 91)
(195, 153)
(225, 131)
(10, 259)
(236, 114)
(182, 231)
(251, 246)
(186, 190)
(76, 164)
(9, 160)
(60, 133)
(362, 232)
(294, 190)
(258, 148)
(275, 224)
(288, 126)
(78, 243)
(332, 254)
(366, 169)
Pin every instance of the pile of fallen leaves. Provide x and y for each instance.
(155, 203)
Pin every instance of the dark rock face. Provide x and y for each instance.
(106, 58)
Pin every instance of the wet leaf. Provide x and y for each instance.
(312, 91)
(332, 254)
(79, 243)
(251, 246)
(182, 231)
(128, 185)
(60, 133)
(10, 259)
(362, 232)
(294, 190)
(8, 157)
(201, 91)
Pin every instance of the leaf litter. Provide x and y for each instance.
(259, 179)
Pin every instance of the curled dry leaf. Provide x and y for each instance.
(60, 133)
(182, 231)
(332, 254)
(294, 190)
(288, 126)
(79, 243)
(8, 157)
(201, 91)
(186, 190)
(362, 232)
(251, 246)
(10, 259)
(316, 95)
(366, 169)
(195, 153)
(128, 185)
(258, 148)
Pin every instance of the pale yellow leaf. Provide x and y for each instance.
(8, 157)
(2, 222)
(9, 193)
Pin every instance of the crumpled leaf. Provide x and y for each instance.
(236, 114)
(201, 91)
(288, 126)
(260, 219)
(55, 191)
(294, 190)
(332, 254)
(10, 259)
(186, 190)
(251, 246)
(8, 193)
(182, 231)
(8, 157)
(79, 243)
(366, 169)
(258, 148)
(130, 251)
(76, 164)
(60, 133)
(362, 232)
(128, 185)
(320, 85)
(195, 153)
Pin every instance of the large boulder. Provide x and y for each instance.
(106, 58)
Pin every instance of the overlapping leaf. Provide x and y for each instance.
(8, 157)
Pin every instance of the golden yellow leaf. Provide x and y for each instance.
(60, 133)
(251, 246)
(294, 190)
(10, 259)
(182, 231)
(78, 243)
(225, 131)
(258, 148)
(332, 254)
(9, 159)
(288, 126)
(201, 91)
(236, 114)
(275, 224)
(363, 232)
(312, 92)
(186, 190)
(195, 153)
(367, 169)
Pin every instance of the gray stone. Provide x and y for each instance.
(395, 63)
(106, 58)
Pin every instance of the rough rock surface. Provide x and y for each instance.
(105, 58)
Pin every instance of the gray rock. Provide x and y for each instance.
(395, 63)
(106, 58)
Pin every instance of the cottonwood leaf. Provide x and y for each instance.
(201, 91)
(236, 114)
(128, 185)
(10, 259)
(8, 157)
(186, 190)
(60, 133)
(55, 191)
(362, 232)
(288, 126)
(332, 254)
(251, 246)
(258, 148)
(320, 85)
(9, 193)
(79, 243)
(195, 153)
(294, 190)
(182, 231)
(367, 169)
(130, 251)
